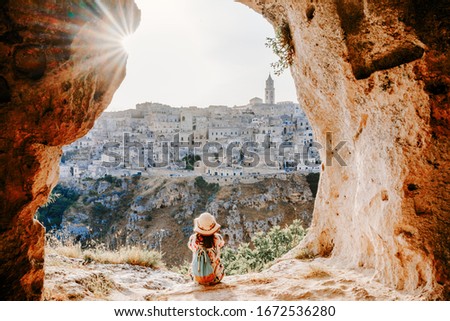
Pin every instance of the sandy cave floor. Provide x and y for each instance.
(287, 280)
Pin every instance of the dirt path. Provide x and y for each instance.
(290, 279)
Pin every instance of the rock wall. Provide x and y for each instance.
(374, 79)
(58, 72)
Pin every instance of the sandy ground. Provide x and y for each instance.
(287, 280)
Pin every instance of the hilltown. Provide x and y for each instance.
(220, 143)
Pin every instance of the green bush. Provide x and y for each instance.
(190, 161)
(108, 178)
(61, 198)
(204, 186)
(207, 192)
(265, 248)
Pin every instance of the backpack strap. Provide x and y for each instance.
(201, 256)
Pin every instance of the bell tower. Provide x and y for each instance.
(270, 91)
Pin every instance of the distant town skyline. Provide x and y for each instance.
(199, 53)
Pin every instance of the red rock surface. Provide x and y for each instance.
(60, 64)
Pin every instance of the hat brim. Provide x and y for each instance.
(198, 230)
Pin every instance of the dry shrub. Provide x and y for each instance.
(317, 272)
(62, 244)
(304, 254)
(98, 284)
(134, 255)
(59, 294)
(72, 251)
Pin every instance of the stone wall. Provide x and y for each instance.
(375, 74)
(246, 179)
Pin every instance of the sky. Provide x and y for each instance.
(199, 53)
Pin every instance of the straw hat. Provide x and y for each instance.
(206, 224)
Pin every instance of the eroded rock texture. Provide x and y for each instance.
(376, 74)
(60, 63)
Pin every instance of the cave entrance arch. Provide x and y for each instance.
(386, 211)
(133, 130)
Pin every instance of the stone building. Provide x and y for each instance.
(155, 136)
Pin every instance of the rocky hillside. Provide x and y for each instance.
(159, 213)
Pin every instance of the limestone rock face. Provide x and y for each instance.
(60, 64)
(373, 77)
(159, 213)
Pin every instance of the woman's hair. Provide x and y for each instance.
(206, 241)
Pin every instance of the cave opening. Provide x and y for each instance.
(112, 177)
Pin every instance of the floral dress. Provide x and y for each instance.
(213, 253)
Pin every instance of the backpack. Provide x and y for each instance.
(202, 269)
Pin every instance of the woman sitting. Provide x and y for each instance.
(205, 245)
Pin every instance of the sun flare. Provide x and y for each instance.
(127, 43)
